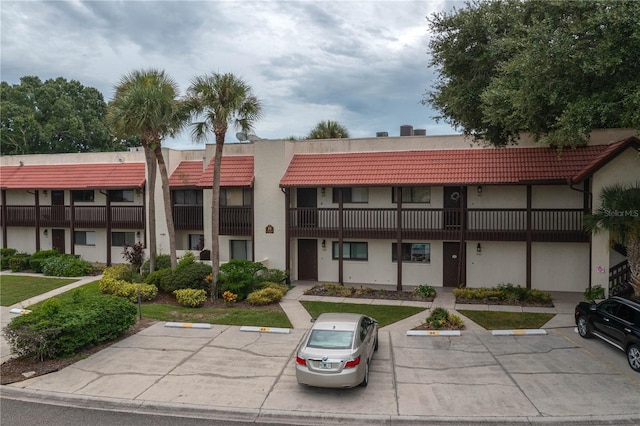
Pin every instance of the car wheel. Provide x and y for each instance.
(365, 381)
(583, 327)
(633, 356)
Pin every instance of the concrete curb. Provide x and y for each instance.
(433, 333)
(529, 332)
(187, 325)
(265, 329)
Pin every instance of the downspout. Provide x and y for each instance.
(287, 232)
(587, 205)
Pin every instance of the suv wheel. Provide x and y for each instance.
(633, 356)
(583, 327)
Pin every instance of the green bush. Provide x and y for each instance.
(37, 259)
(58, 330)
(440, 319)
(482, 293)
(109, 285)
(121, 271)
(266, 296)
(504, 292)
(594, 293)
(163, 261)
(425, 291)
(274, 275)
(130, 291)
(156, 277)
(240, 277)
(190, 297)
(187, 275)
(5, 255)
(66, 265)
(19, 262)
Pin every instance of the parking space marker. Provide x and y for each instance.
(187, 325)
(433, 333)
(19, 311)
(529, 332)
(265, 329)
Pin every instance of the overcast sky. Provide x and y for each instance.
(361, 63)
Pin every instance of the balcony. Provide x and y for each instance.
(553, 225)
(234, 220)
(122, 217)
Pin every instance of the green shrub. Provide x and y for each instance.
(156, 277)
(481, 293)
(240, 277)
(66, 265)
(187, 275)
(130, 291)
(441, 319)
(19, 262)
(37, 259)
(511, 293)
(121, 271)
(109, 285)
(266, 296)
(274, 275)
(594, 293)
(425, 291)
(58, 330)
(331, 289)
(190, 297)
(163, 261)
(5, 255)
(504, 292)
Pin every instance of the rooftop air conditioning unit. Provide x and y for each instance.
(406, 130)
(382, 134)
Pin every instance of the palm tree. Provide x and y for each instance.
(619, 213)
(146, 105)
(328, 130)
(217, 101)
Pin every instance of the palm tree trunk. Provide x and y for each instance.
(151, 184)
(633, 255)
(168, 210)
(215, 218)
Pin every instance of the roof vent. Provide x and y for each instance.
(419, 132)
(382, 134)
(406, 130)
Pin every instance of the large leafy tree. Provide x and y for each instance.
(619, 213)
(146, 105)
(328, 130)
(218, 101)
(53, 116)
(555, 69)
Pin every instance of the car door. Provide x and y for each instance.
(366, 335)
(606, 322)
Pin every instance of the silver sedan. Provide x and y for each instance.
(337, 351)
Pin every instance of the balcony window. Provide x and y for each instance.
(240, 249)
(412, 252)
(196, 241)
(119, 239)
(84, 238)
(86, 196)
(235, 197)
(414, 194)
(352, 195)
(351, 251)
(187, 197)
(121, 195)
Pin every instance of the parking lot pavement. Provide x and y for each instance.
(223, 371)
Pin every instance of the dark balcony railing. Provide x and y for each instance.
(188, 217)
(480, 224)
(236, 220)
(123, 217)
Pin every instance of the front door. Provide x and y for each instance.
(308, 260)
(57, 210)
(451, 264)
(452, 202)
(57, 240)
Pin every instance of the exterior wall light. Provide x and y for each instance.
(324, 244)
(479, 189)
(323, 191)
(478, 248)
(46, 232)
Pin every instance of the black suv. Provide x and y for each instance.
(616, 321)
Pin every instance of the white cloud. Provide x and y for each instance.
(362, 63)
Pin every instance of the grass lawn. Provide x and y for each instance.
(226, 316)
(384, 314)
(16, 288)
(493, 320)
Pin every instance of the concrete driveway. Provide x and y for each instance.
(226, 373)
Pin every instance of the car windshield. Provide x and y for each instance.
(330, 339)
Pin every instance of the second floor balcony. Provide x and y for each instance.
(553, 225)
(234, 220)
(122, 217)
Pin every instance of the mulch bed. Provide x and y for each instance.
(367, 293)
(496, 301)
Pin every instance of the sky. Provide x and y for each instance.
(364, 64)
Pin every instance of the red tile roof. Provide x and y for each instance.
(441, 167)
(187, 174)
(237, 170)
(73, 176)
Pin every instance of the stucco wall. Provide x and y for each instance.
(499, 262)
(560, 266)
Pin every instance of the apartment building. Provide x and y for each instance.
(400, 211)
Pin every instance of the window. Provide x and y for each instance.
(351, 251)
(121, 195)
(241, 249)
(413, 194)
(231, 197)
(351, 195)
(84, 238)
(82, 196)
(412, 252)
(196, 241)
(330, 339)
(187, 197)
(119, 239)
